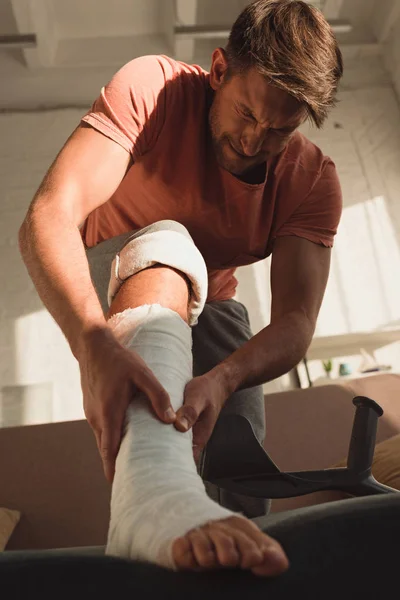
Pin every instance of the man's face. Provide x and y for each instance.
(250, 120)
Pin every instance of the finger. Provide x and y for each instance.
(156, 393)
(109, 446)
(203, 429)
(197, 452)
(196, 457)
(190, 412)
(97, 435)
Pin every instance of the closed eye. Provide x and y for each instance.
(248, 115)
(282, 132)
(245, 113)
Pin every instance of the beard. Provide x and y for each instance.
(226, 154)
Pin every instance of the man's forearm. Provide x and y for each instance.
(274, 351)
(53, 252)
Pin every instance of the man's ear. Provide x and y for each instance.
(219, 68)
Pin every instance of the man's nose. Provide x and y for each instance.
(251, 145)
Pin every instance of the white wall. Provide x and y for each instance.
(391, 54)
(385, 25)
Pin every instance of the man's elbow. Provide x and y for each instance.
(25, 230)
(307, 327)
(303, 327)
(22, 237)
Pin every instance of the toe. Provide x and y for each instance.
(225, 547)
(250, 552)
(182, 554)
(203, 549)
(275, 562)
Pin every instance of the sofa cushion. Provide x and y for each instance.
(386, 463)
(8, 521)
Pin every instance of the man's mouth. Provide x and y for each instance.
(239, 153)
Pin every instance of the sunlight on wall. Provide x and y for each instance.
(43, 356)
(363, 291)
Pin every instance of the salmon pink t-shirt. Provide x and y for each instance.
(157, 109)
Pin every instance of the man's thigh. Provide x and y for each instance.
(222, 328)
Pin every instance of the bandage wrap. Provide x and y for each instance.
(169, 248)
(157, 494)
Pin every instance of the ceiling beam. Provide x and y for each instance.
(20, 40)
(191, 32)
(37, 18)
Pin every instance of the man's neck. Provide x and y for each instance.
(254, 176)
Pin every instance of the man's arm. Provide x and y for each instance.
(299, 274)
(84, 175)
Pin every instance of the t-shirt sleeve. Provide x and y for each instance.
(317, 217)
(131, 107)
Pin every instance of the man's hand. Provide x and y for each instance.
(204, 398)
(110, 377)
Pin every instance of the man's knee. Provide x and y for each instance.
(165, 243)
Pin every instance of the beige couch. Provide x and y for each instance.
(52, 473)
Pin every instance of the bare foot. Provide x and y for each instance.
(232, 542)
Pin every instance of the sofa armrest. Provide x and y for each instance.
(52, 474)
(309, 428)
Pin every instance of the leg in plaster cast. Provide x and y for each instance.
(160, 511)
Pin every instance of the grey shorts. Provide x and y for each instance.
(222, 328)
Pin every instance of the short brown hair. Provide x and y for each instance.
(293, 46)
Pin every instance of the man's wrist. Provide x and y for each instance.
(90, 335)
(228, 376)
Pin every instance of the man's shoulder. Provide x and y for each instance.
(156, 70)
(305, 153)
(302, 168)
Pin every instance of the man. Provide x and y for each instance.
(168, 145)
